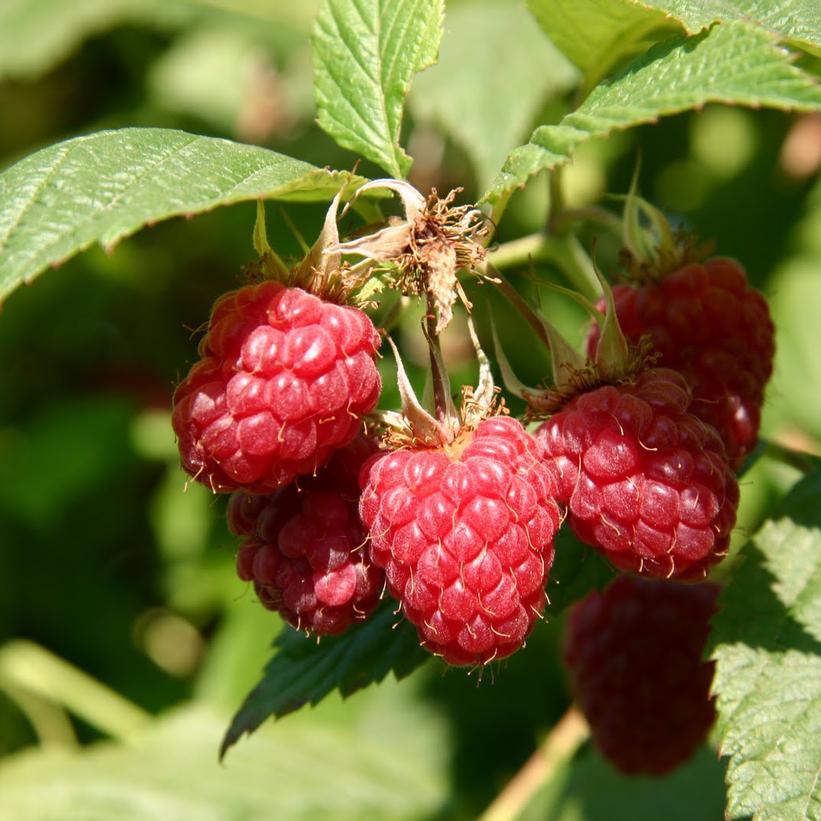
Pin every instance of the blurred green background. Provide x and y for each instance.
(117, 579)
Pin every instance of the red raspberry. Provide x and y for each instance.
(635, 657)
(646, 482)
(465, 535)
(283, 381)
(709, 324)
(305, 548)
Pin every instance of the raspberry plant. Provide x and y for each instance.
(398, 516)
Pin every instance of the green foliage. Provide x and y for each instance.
(597, 36)
(302, 770)
(468, 92)
(304, 671)
(365, 54)
(767, 647)
(104, 187)
(731, 63)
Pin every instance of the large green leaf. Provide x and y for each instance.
(304, 672)
(511, 90)
(767, 645)
(365, 55)
(105, 186)
(300, 769)
(798, 21)
(731, 63)
(598, 35)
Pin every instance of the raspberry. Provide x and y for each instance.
(709, 324)
(465, 534)
(283, 381)
(635, 657)
(304, 548)
(646, 482)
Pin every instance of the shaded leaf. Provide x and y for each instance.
(105, 186)
(731, 63)
(598, 35)
(766, 641)
(487, 104)
(304, 671)
(300, 769)
(365, 55)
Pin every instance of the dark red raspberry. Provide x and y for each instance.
(305, 548)
(646, 482)
(283, 381)
(635, 657)
(465, 535)
(709, 324)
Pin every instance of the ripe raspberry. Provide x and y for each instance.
(304, 549)
(283, 381)
(465, 534)
(709, 324)
(635, 658)
(645, 481)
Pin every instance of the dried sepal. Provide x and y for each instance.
(427, 248)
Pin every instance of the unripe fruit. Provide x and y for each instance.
(465, 534)
(283, 381)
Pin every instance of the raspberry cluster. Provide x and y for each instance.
(465, 535)
(706, 322)
(634, 653)
(283, 380)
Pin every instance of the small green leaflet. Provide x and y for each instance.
(304, 671)
(730, 63)
(766, 641)
(365, 55)
(105, 186)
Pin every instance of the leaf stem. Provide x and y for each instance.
(562, 741)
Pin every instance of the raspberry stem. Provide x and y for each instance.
(561, 742)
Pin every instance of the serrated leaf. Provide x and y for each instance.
(301, 769)
(798, 21)
(304, 671)
(485, 104)
(105, 186)
(598, 35)
(732, 63)
(766, 641)
(365, 55)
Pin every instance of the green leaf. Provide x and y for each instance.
(487, 104)
(304, 671)
(365, 55)
(798, 21)
(731, 63)
(300, 769)
(577, 569)
(598, 35)
(108, 185)
(766, 641)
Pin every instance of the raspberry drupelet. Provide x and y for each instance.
(283, 380)
(465, 534)
(645, 481)
(305, 550)
(634, 653)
